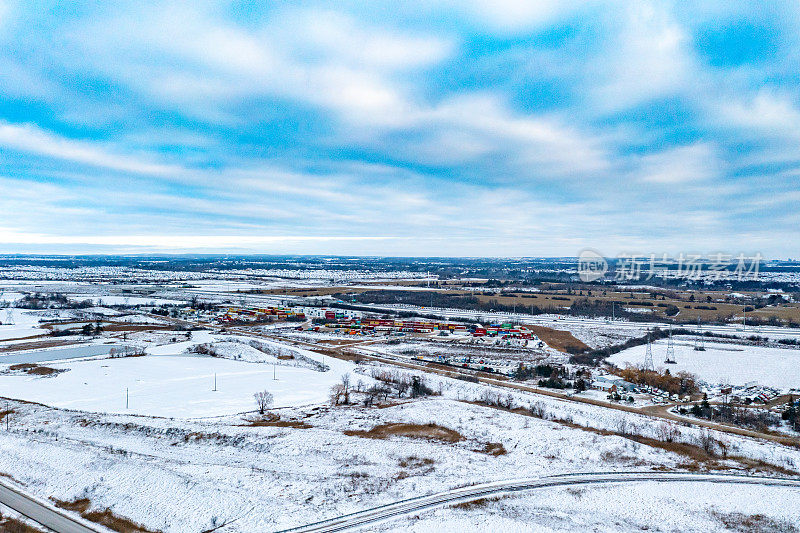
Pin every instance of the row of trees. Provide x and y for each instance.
(680, 383)
(389, 383)
(758, 419)
(792, 415)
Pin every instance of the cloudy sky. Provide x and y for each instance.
(461, 128)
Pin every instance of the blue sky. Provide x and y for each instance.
(469, 128)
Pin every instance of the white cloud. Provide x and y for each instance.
(32, 139)
(197, 63)
(173, 242)
(472, 127)
(688, 164)
(510, 16)
(650, 57)
(337, 38)
(768, 112)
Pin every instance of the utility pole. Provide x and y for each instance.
(8, 414)
(215, 382)
(273, 372)
(126, 397)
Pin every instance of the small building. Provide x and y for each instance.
(610, 382)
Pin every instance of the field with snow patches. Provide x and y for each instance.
(20, 323)
(624, 507)
(200, 473)
(101, 300)
(734, 364)
(171, 383)
(204, 472)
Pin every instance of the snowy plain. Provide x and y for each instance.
(733, 364)
(624, 507)
(172, 383)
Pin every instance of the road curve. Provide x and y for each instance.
(43, 512)
(413, 505)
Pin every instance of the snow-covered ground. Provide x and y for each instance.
(203, 464)
(18, 323)
(199, 473)
(624, 507)
(124, 300)
(10, 296)
(734, 364)
(170, 386)
(168, 382)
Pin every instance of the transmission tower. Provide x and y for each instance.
(670, 359)
(648, 356)
(699, 343)
(10, 317)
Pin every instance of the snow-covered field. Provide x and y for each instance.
(168, 382)
(18, 323)
(632, 507)
(10, 296)
(203, 464)
(124, 300)
(201, 473)
(170, 386)
(734, 364)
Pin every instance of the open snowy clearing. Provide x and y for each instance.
(17, 323)
(640, 506)
(170, 386)
(204, 472)
(124, 300)
(734, 364)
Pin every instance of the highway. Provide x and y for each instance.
(420, 503)
(43, 512)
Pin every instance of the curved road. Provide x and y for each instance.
(413, 505)
(43, 512)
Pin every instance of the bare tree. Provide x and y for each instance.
(668, 432)
(538, 410)
(402, 386)
(264, 401)
(337, 394)
(376, 392)
(708, 442)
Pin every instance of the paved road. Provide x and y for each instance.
(414, 505)
(43, 512)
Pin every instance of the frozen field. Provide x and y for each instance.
(57, 354)
(170, 386)
(633, 507)
(203, 473)
(124, 300)
(18, 323)
(734, 364)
